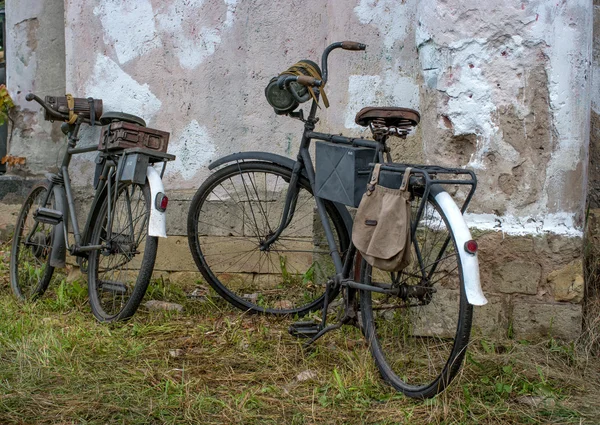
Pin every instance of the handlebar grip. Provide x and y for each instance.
(353, 45)
(309, 81)
(29, 97)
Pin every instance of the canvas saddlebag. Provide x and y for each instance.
(381, 230)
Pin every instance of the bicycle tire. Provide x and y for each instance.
(30, 269)
(281, 284)
(118, 275)
(419, 349)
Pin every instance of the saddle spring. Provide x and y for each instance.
(381, 131)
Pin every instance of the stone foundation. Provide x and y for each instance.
(534, 284)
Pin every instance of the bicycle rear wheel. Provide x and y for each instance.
(419, 339)
(30, 269)
(234, 211)
(118, 274)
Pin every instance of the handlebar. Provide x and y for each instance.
(346, 45)
(353, 45)
(285, 80)
(53, 113)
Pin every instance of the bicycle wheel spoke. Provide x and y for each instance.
(414, 340)
(280, 276)
(30, 270)
(119, 273)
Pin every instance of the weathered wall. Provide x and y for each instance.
(503, 87)
(198, 69)
(35, 62)
(594, 164)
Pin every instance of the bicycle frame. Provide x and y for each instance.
(420, 175)
(425, 180)
(107, 186)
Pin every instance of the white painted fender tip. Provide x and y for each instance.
(470, 263)
(157, 225)
(477, 300)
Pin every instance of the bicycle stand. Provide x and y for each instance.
(315, 330)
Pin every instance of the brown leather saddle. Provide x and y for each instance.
(403, 118)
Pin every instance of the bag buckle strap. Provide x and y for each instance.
(374, 179)
(71, 106)
(405, 179)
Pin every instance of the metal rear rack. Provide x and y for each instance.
(427, 175)
(430, 175)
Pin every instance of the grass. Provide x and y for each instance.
(212, 364)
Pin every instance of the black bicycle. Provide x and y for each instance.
(119, 240)
(272, 235)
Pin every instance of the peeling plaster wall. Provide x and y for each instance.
(507, 87)
(198, 69)
(594, 163)
(35, 62)
(503, 89)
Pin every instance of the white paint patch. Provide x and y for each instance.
(559, 224)
(193, 148)
(128, 26)
(373, 90)
(470, 105)
(120, 92)
(194, 42)
(387, 15)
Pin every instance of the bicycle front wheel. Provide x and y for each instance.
(119, 272)
(30, 269)
(419, 337)
(234, 212)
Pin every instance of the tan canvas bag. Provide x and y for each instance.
(381, 230)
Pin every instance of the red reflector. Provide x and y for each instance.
(161, 202)
(471, 246)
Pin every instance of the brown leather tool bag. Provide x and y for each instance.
(381, 230)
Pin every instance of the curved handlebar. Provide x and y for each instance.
(52, 112)
(346, 45)
(353, 45)
(285, 80)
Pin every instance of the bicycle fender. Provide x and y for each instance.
(157, 225)
(256, 156)
(284, 162)
(462, 234)
(59, 246)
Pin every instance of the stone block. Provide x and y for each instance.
(517, 277)
(440, 317)
(533, 320)
(174, 255)
(567, 283)
(177, 212)
(492, 319)
(8, 220)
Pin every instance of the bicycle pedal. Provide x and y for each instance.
(48, 216)
(304, 329)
